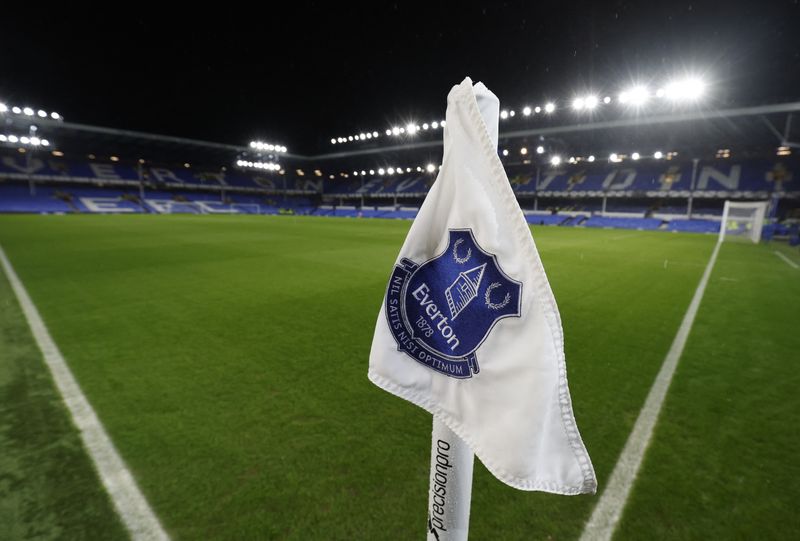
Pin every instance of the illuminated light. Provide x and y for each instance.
(607, 100)
(114, 158)
(638, 95)
(540, 150)
(442, 123)
(504, 114)
(555, 160)
(28, 111)
(3, 107)
(3, 138)
(523, 151)
(635, 156)
(369, 135)
(16, 110)
(590, 158)
(301, 173)
(57, 154)
(371, 171)
(526, 111)
(408, 169)
(362, 136)
(333, 141)
(350, 138)
(591, 102)
(41, 113)
(578, 104)
(614, 157)
(395, 131)
(550, 107)
(402, 130)
(685, 89)
(253, 144)
(390, 170)
(572, 159)
(24, 140)
(355, 173)
(374, 134)
(505, 152)
(381, 171)
(55, 116)
(35, 141)
(537, 109)
(511, 113)
(783, 151)
(388, 132)
(425, 126)
(658, 154)
(272, 147)
(435, 125)
(430, 168)
(187, 165)
(660, 93)
(623, 97)
(411, 129)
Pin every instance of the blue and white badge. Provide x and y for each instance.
(441, 311)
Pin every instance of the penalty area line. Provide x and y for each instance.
(609, 508)
(129, 502)
(786, 259)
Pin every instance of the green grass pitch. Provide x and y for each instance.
(227, 358)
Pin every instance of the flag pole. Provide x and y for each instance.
(450, 493)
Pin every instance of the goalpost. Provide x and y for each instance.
(743, 220)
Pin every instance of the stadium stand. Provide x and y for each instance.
(659, 195)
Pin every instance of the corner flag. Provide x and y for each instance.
(469, 328)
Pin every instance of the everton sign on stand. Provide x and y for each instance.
(441, 311)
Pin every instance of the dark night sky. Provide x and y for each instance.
(314, 70)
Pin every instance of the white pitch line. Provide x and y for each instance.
(130, 503)
(788, 261)
(609, 508)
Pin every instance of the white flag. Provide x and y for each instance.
(469, 329)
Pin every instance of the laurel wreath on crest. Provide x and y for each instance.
(492, 305)
(461, 260)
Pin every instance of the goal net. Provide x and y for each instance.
(743, 220)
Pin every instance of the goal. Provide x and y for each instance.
(743, 220)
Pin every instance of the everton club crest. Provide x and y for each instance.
(441, 311)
